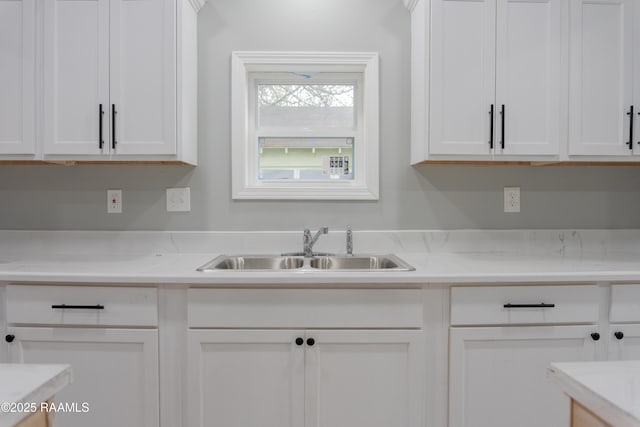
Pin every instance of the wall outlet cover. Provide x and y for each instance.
(114, 201)
(512, 199)
(179, 199)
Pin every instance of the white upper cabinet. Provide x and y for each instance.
(601, 79)
(17, 77)
(462, 76)
(143, 76)
(496, 73)
(529, 75)
(76, 76)
(110, 77)
(117, 80)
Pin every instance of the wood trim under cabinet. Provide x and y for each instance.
(92, 162)
(524, 163)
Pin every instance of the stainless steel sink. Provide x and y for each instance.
(360, 263)
(299, 263)
(253, 262)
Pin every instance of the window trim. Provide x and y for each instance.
(245, 185)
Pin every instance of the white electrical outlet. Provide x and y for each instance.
(179, 199)
(114, 201)
(512, 199)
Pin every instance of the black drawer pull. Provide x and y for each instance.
(100, 139)
(541, 305)
(630, 114)
(619, 335)
(502, 114)
(114, 142)
(10, 338)
(78, 307)
(491, 127)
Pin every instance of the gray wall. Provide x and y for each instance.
(426, 197)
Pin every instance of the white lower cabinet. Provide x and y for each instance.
(501, 342)
(312, 378)
(497, 375)
(115, 372)
(109, 337)
(305, 358)
(624, 342)
(624, 327)
(245, 378)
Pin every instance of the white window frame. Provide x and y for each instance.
(244, 150)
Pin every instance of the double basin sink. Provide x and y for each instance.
(361, 263)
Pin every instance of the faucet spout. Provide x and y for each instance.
(308, 241)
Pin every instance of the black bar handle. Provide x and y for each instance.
(502, 126)
(491, 127)
(630, 114)
(541, 305)
(100, 138)
(78, 307)
(113, 126)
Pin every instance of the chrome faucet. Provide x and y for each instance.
(309, 241)
(349, 241)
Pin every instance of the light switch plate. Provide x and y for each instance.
(179, 199)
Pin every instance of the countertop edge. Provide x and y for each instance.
(594, 402)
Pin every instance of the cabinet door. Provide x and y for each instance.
(497, 375)
(115, 371)
(636, 78)
(17, 76)
(625, 346)
(76, 76)
(364, 378)
(143, 76)
(245, 378)
(601, 60)
(529, 76)
(462, 76)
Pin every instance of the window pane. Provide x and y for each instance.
(315, 159)
(313, 105)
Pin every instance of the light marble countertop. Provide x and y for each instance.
(23, 384)
(611, 390)
(516, 256)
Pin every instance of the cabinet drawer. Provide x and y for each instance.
(625, 303)
(41, 305)
(505, 305)
(304, 308)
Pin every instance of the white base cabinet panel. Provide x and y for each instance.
(364, 378)
(497, 375)
(624, 342)
(312, 378)
(245, 378)
(115, 371)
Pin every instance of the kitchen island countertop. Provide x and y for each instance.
(609, 389)
(24, 386)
